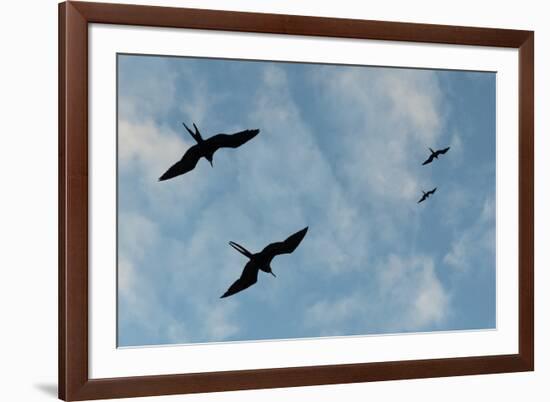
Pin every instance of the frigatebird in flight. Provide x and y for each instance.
(435, 154)
(262, 260)
(426, 194)
(205, 149)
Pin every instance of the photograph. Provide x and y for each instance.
(275, 200)
(264, 200)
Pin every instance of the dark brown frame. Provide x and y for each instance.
(74, 383)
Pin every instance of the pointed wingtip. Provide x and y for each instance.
(303, 231)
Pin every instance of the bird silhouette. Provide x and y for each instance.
(205, 149)
(262, 260)
(425, 195)
(435, 155)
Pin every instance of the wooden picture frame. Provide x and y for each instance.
(74, 381)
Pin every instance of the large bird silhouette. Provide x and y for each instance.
(205, 149)
(426, 194)
(262, 260)
(435, 154)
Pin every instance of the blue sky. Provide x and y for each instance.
(340, 151)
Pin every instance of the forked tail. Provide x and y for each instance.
(240, 249)
(196, 135)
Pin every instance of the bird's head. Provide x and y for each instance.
(210, 158)
(270, 271)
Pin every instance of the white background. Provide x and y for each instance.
(28, 213)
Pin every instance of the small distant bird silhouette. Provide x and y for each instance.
(262, 261)
(426, 195)
(435, 154)
(206, 149)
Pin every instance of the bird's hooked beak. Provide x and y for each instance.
(211, 162)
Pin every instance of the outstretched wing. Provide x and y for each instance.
(230, 140)
(287, 246)
(248, 278)
(433, 191)
(422, 199)
(443, 151)
(429, 160)
(184, 165)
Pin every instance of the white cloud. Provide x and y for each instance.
(329, 316)
(220, 322)
(146, 86)
(457, 148)
(407, 296)
(402, 114)
(136, 235)
(412, 286)
(138, 301)
(127, 280)
(474, 242)
(305, 181)
(148, 147)
(144, 301)
(414, 101)
(146, 150)
(281, 184)
(302, 183)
